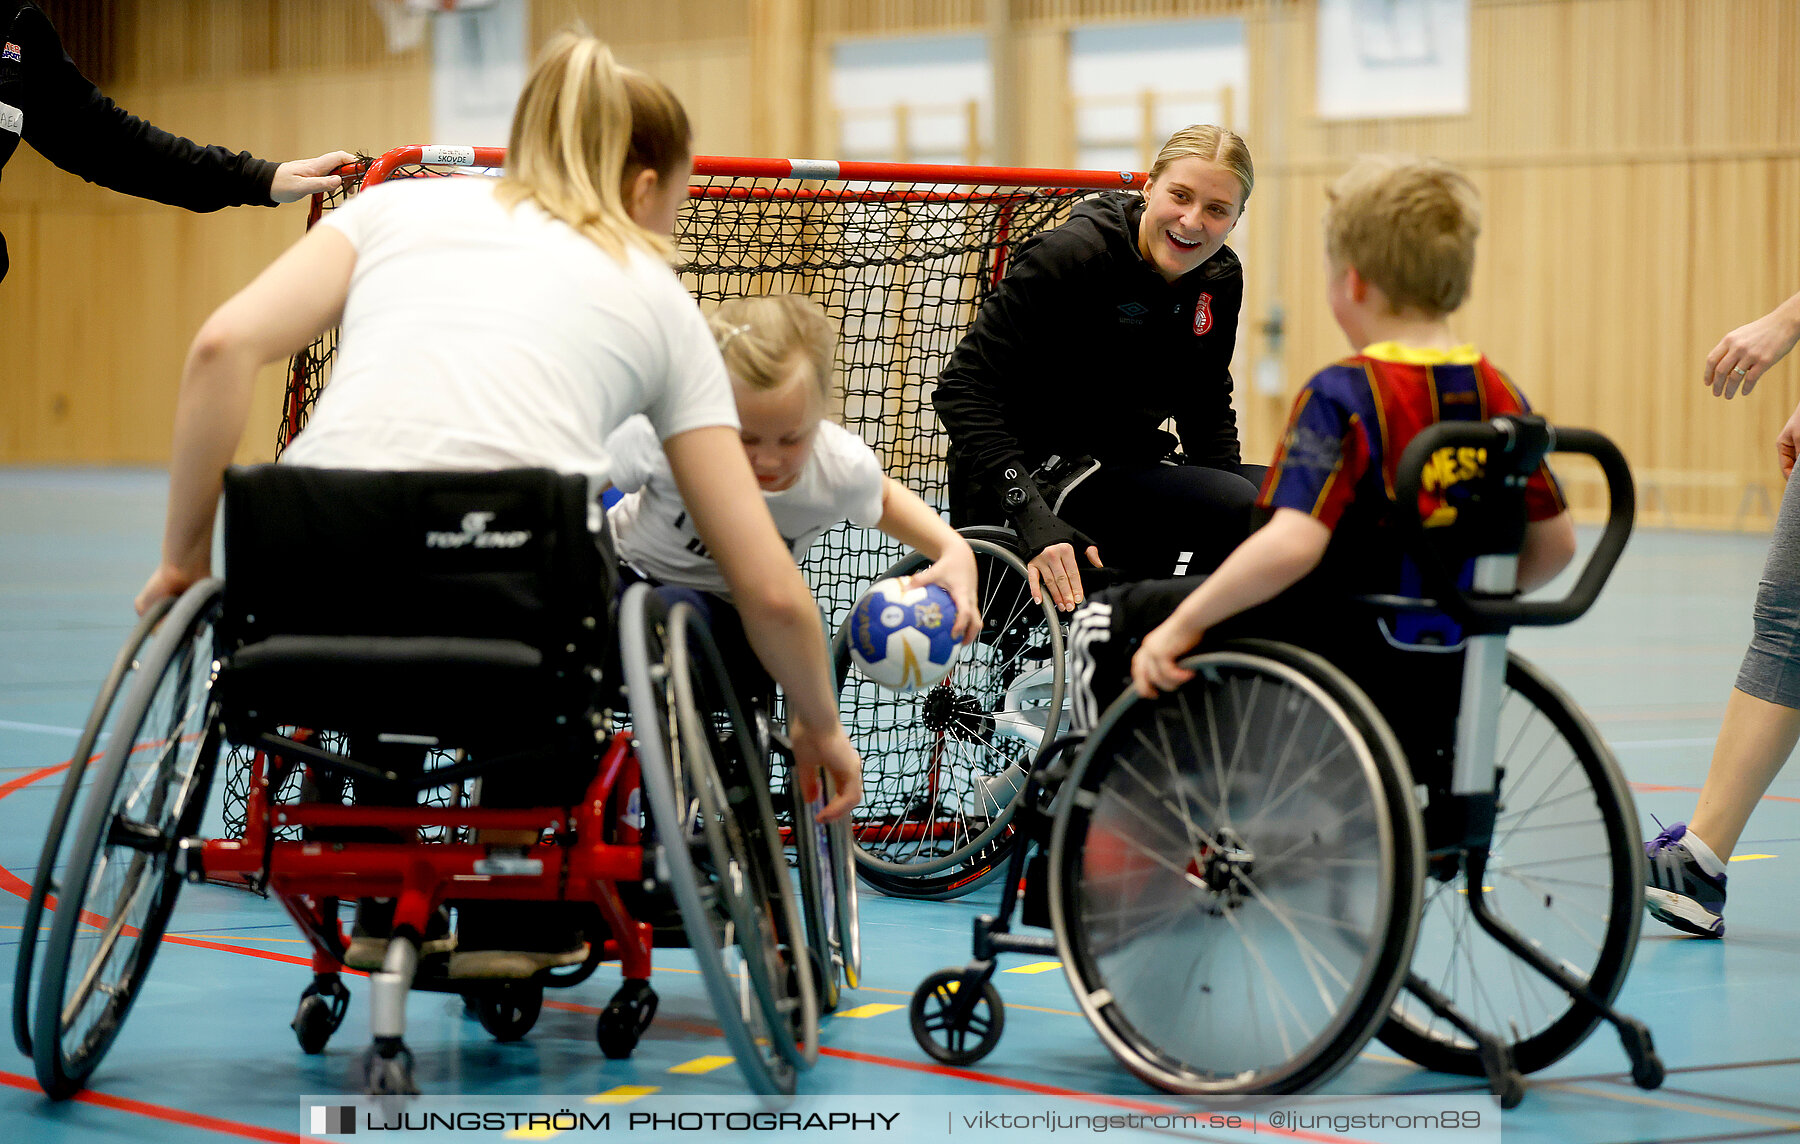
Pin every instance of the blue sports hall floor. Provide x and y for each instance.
(207, 1054)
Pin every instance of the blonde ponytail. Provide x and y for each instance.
(577, 141)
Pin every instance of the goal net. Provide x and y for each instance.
(900, 256)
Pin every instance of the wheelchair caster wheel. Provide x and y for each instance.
(624, 1019)
(387, 1069)
(946, 1038)
(322, 1009)
(509, 1011)
(1647, 1072)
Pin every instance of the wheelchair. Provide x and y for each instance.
(943, 769)
(457, 613)
(1245, 879)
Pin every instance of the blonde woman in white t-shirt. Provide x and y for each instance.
(779, 351)
(491, 323)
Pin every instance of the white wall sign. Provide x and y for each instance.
(1391, 58)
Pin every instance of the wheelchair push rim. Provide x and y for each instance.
(46, 882)
(1565, 869)
(944, 766)
(150, 789)
(1235, 873)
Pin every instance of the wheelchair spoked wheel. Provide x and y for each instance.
(730, 781)
(943, 768)
(1235, 871)
(47, 881)
(729, 894)
(1565, 869)
(848, 947)
(149, 792)
(827, 897)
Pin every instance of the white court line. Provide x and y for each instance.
(41, 728)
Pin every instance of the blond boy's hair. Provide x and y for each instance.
(584, 127)
(1408, 225)
(1214, 145)
(758, 337)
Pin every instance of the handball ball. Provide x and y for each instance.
(900, 637)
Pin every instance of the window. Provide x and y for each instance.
(1134, 85)
(913, 100)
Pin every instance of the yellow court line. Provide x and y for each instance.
(873, 1009)
(1750, 857)
(1009, 1005)
(239, 937)
(702, 1065)
(1035, 967)
(623, 1094)
(1629, 1097)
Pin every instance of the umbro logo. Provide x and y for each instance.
(1134, 309)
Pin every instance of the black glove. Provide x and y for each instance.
(1037, 526)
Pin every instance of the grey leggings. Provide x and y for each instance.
(1771, 669)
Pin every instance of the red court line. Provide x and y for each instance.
(168, 1115)
(34, 776)
(11, 882)
(1660, 788)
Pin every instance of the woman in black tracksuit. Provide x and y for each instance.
(46, 102)
(1103, 329)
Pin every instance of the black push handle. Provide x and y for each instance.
(1515, 446)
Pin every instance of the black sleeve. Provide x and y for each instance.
(1205, 419)
(997, 361)
(69, 122)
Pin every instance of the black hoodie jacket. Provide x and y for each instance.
(1084, 349)
(46, 100)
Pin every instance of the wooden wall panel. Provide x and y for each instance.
(106, 291)
(1639, 162)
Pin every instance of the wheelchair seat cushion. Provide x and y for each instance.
(456, 689)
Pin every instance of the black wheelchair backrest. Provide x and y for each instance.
(468, 608)
(505, 554)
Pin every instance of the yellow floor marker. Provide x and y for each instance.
(1034, 967)
(873, 1009)
(1749, 857)
(623, 1094)
(702, 1065)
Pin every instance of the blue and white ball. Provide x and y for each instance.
(900, 637)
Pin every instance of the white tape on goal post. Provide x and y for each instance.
(812, 169)
(448, 156)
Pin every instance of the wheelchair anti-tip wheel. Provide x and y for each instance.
(1565, 870)
(47, 881)
(625, 1018)
(149, 791)
(320, 1013)
(1235, 874)
(943, 768)
(729, 883)
(941, 1033)
(510, 1009)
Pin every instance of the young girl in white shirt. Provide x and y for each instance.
(779, 352)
